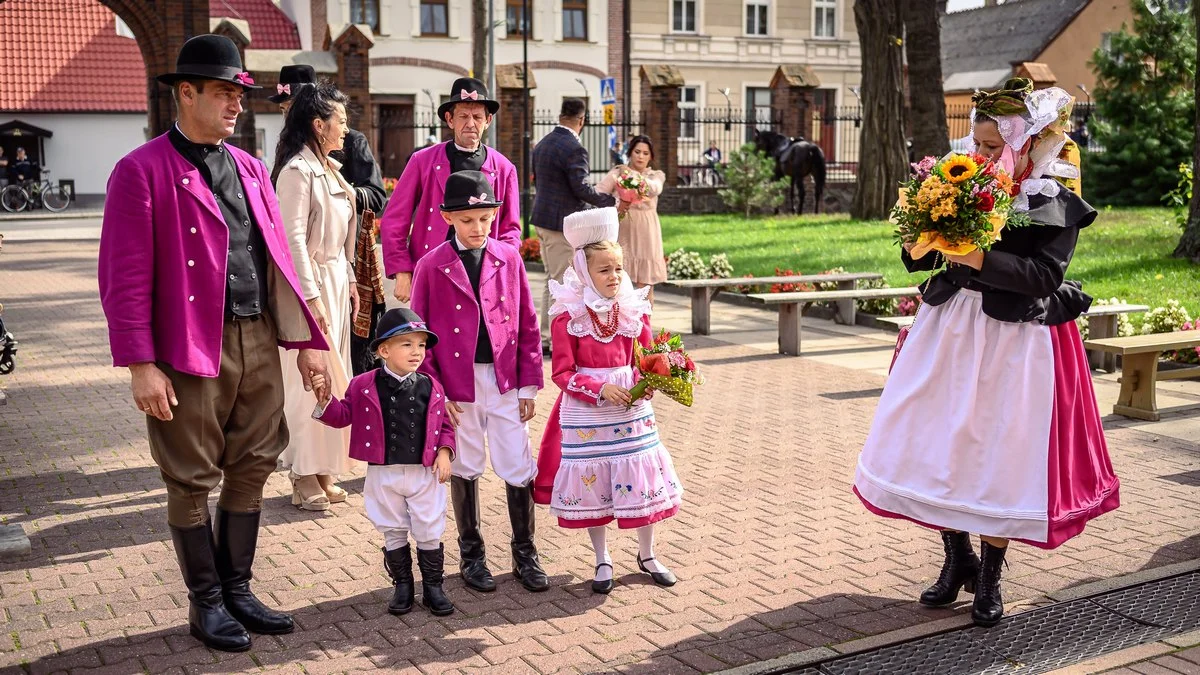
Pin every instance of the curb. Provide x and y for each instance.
(811, 657)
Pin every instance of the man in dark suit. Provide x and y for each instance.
(560, 171)
(361, 171)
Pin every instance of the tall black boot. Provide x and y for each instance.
(989, 606)
(237, 540)
(432, 596)
(526, 567)
(207, 619)
(472, 557)
(398, 563)
(959, 571)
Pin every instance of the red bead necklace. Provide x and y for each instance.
(609, 328)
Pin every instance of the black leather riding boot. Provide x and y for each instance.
(472, 557)
(208, 620)
(958, 571)
(399, 567)
(433, 597)
(237, 540)
(526, 566)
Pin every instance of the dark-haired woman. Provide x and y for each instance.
(318, 212)
(988, 422)
(641, 232)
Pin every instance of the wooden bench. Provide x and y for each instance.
(1103, 322)
(790, 305)
(1139, 368)
(704, 290)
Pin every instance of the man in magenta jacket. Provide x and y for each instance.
(198, 287)
(412, 224)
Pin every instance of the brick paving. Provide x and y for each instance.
(774, 553)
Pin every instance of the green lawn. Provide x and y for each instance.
(1125, 254)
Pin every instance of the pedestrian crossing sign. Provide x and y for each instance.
(608, 91)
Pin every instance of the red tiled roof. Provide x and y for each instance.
(66, 56)
(270, 28)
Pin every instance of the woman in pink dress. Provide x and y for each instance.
(988, 422)
(640, 235)
(601, 459)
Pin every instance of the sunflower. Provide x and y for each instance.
(959, 168)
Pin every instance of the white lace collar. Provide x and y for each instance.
(574, 297)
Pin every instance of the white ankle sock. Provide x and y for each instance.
(600, 546)
(646, 549)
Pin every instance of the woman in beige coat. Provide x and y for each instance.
(318, 211)
(641, 233)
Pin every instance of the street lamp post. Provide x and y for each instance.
(491, 74)
(434, 126)
(526, 118)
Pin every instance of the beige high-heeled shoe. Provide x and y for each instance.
(335, 493)
(308, 495)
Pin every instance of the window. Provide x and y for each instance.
(517, 22)
(756, 17)
(433, 17)
(574, 15)
(688, 97)
(366, 12)
(758, 108)
(684, 12)
(825, 19)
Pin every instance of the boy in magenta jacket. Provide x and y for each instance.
(400, 427)
(474, 293)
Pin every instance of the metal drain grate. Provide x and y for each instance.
(1039, 640)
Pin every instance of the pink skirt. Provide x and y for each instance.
(989, 427)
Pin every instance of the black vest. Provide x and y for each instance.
(472, 260)
(405, 405)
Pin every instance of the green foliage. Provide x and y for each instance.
(1145, 107)
(1181, 197)
(750, 181)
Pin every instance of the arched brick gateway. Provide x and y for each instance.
(161, 27)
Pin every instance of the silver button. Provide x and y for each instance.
(429, 227)
(447, 270)
(191, 298)
(239, 195)
(431, 211)
(193, 230)
(456, 330)
(186, 181)
(191, 263)
(255, 183)
(426, 246)
(506, 317)
(368, 428)
(367, 409)
(514, 342)
(365, 391)
(456, 355)
(368, 445)
(458, 307)
(497, 263)
(437, 168)
(502, 298)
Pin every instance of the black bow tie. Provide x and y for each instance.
(394, 385)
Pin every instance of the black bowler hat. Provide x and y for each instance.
(468, 90)
(402, 321)
(291, 80)
(466, 190)
(209, 57)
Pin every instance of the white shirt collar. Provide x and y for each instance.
(464, 247)
(188, 139)
(398, 377)
(462, 149)
(572, 132)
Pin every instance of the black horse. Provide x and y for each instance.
(794, 158)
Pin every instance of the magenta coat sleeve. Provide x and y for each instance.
(564, 372)
(337, 412)
(509, 223)
(395, 228)
(126, 265)
(421, 303)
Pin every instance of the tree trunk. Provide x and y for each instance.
(922, 44)
(882, 160)
(1189, 243)
(479, 41)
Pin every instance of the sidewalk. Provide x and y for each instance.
(775, 555)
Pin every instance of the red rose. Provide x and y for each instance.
(655, 363)
(986, 201)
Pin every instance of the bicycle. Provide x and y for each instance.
(33, 194)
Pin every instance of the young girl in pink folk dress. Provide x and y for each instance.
(601, 458)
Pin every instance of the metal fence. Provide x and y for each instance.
(402, 132)
(595, 137)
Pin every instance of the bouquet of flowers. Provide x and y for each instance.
(955, 205)
(665, 366)
(389, 185)
(632, 187)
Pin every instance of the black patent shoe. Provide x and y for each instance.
(988, 608)
(661, 578)
(603, 587)
(959, 571)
